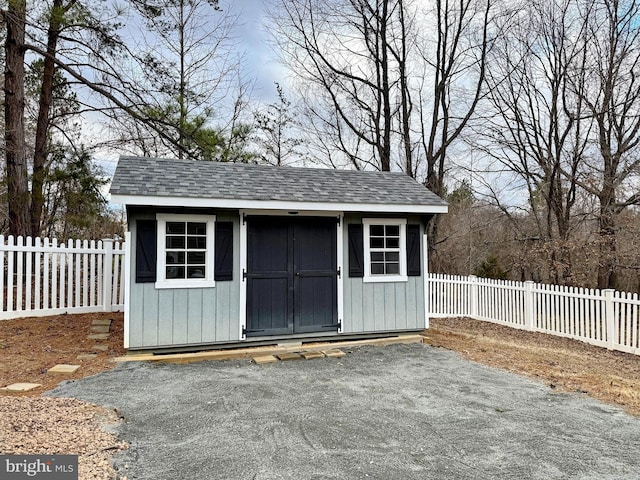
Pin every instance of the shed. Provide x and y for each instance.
(225, 253)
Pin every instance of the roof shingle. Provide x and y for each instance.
(159, 177)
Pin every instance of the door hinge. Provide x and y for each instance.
(337, 326)
(339, 272)
(244, 274)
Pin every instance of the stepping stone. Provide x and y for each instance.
(334, 353)
(101, 322)
(63, 368)
(311, 355)
(19, 387)
(98, 336)
(100, 329)
(100, 347)
(86, 356)
(261, 360)
(289, 356)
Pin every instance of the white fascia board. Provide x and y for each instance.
(273, 204)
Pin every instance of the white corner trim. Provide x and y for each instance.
(341, 266)
(243, 281)
(127, 287)
(425, 278)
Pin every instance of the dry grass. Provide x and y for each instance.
(568, 365)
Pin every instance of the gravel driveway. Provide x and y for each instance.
(397, 412)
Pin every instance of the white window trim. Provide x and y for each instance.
(208, 281)
(402, 276)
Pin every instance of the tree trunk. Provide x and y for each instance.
(15, 154)
(42, 127)
(608, 262)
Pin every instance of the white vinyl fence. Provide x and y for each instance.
(606, 318)
(39, 277)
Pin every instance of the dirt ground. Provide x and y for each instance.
(28, 347)
(30, 424)
(568, 365)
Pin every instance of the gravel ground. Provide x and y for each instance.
(30, 425)
(397, 412)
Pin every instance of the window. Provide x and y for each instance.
(185, 251)
(384, 250)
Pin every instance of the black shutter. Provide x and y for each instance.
(146, 251)
(224, 251)
(356, 250)
(413, 251)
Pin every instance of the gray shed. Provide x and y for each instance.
(225, 253)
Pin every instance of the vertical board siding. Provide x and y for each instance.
(40, 277)
(371, 307)
(185, 316)
(605, 318)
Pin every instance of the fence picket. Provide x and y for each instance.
(2, 302)
(44, 278)
(37, 273)
(10, 258)
(19, 273)
(573, 312)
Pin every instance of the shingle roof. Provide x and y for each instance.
(157, 177)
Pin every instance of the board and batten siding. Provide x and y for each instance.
(184, 316)
(378, 307)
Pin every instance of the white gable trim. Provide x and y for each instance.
(273, 204)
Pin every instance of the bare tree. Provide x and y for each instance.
(344, 56)
(613, 98)
(541, 127)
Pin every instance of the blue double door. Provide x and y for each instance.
(291, 275)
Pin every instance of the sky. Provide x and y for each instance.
(262, 62)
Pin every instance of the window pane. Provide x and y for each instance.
(175, 227)
(376, 230)
(392, 256)
(196, 228)
(195, 272)
(175, 242)
(175, 272)
(377, 256)
(393, 230)
(393, 268)
(393, 242)
(175, 258)
(195, 243)
(195, 258)
(376, 242)
(377, 268)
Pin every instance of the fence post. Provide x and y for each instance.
(609, 318)
(528, 305)
(473, 296)
(107, 273)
